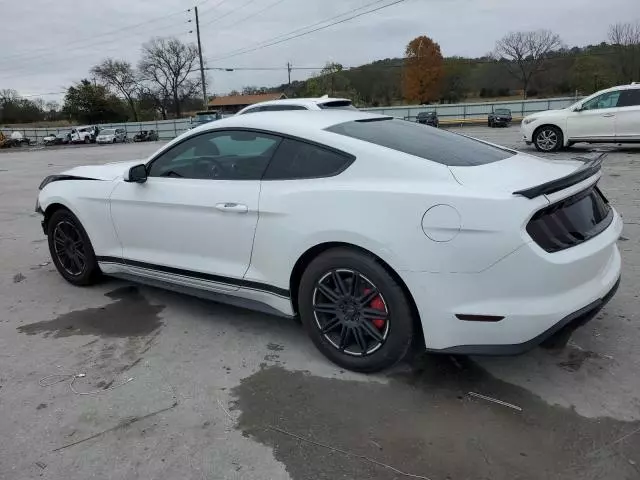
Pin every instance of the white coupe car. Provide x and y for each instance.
(377, 232)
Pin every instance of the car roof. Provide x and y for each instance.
(306, 102)
(297, 123)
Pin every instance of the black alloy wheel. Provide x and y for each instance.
(71, 249)
(350, 312)
(355, 311)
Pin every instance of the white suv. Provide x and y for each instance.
(611, 115)
(322, 103)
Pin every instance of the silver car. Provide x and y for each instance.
(112, 135)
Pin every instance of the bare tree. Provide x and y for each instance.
(625, 38)
(122, 77)
(526, 53)
(167, 63)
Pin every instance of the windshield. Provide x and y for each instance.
(503, 111)
(205, 118)
(108, 131)
(432, 144)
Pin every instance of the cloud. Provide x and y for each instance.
(48, 45)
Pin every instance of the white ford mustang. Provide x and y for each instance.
(377, 232)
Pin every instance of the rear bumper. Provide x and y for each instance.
(532, 293)
(565, 326)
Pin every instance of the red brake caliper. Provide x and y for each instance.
(376, 304)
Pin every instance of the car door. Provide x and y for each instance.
(196, 214)
(628, 116)
(596, 119)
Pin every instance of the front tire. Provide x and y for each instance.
(355, 312)
(87, 140)
(71, 249)
(548, 138)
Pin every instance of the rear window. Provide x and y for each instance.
(337, 104)
(429, 143)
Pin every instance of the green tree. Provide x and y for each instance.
(86, 102)
(457, 72)
(591, 73)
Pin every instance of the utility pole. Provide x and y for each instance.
(289, 70)
(204, 85)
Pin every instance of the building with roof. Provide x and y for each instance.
(231, 104)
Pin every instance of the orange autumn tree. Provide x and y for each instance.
(423, 70)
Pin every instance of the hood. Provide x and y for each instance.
(108, 171)
(548, 114)
(520, 172)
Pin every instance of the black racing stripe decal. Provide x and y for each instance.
(199, 275)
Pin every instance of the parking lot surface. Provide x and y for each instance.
(176, 387)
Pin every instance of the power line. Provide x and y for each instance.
(228, 13)
(46, 50)
(271, 43)
(244, 19)
(282, 35)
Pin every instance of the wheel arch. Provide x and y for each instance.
(52, 208)
(307, 257)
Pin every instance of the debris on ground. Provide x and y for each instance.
(495, 400)
(18, 277)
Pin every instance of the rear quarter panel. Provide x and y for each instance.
(378, 204)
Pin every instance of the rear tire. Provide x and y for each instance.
(87, 140)
(71, 249)
(365, 328)
(548, 138)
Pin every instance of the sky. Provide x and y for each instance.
(47, 45)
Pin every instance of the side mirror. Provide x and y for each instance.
(136, 174)
(579, 108)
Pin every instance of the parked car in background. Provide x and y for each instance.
(112, 135)
(607, 116)
(322, 103)
(379, 233)
(428, 118)
(60, 138)
(500, 117)
(146, 136)
(206, 116)
(84, 134)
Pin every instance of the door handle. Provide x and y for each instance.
(609, 115)
(232, 207)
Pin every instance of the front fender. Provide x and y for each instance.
(88, 200)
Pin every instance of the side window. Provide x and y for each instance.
(280, 108)
(223, 155)
(606, 100)
(630, 98)
(295, 159)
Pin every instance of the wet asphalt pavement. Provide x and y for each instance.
(222, 393)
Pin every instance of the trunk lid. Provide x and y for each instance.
(527, 175)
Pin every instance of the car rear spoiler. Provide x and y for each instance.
(590, 168)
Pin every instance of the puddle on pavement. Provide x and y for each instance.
(423, 422)
(130, 315)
